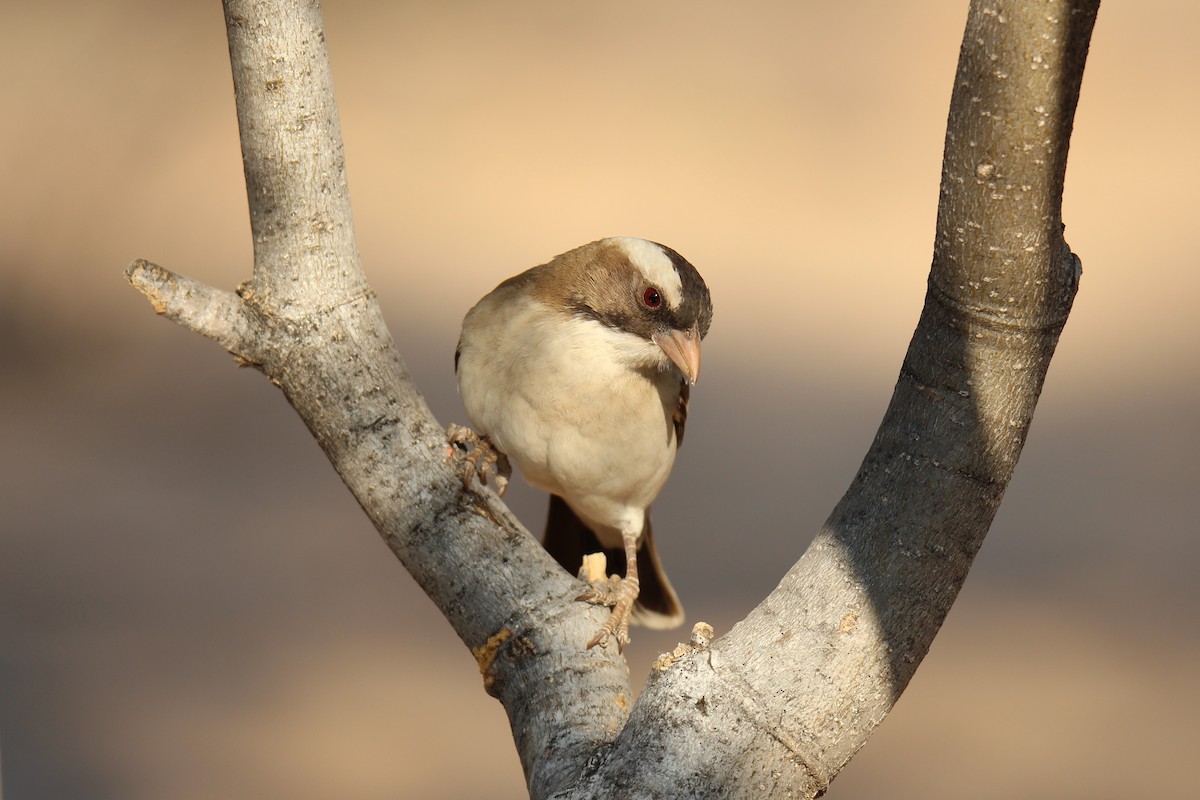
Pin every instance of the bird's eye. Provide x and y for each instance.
(652, 298)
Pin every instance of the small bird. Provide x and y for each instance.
(579, 371)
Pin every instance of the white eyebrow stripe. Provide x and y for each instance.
(650, 259)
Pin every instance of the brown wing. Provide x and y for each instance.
(680, 416)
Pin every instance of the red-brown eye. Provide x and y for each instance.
(652, 298)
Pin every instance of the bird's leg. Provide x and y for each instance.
(482, 459)
(619, 594)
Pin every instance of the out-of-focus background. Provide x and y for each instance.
(192, 606)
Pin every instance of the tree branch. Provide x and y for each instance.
(777, 706)
(308, 320)
(196, 306)
(796, 688)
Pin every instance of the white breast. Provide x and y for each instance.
(574, 406)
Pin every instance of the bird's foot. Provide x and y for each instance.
(618, 594)
(482, 458)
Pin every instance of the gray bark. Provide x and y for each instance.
(779, 704)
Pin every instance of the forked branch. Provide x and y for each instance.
(778, 705)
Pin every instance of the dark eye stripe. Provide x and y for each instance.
(697, 304)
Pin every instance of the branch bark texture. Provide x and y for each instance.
(778, 705)
(308, 319)
(797, 687)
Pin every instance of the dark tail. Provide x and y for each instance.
(568, 539)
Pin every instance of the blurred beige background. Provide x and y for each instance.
(192, 606)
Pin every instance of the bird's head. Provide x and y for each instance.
(644, 291)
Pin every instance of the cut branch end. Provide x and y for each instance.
(219, 315)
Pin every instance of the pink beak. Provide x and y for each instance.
(683, 348)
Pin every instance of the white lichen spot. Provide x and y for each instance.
(984, 170)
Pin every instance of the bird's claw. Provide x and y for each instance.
(482, 458)
(618, 594)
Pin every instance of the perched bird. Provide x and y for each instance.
(579, 371)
